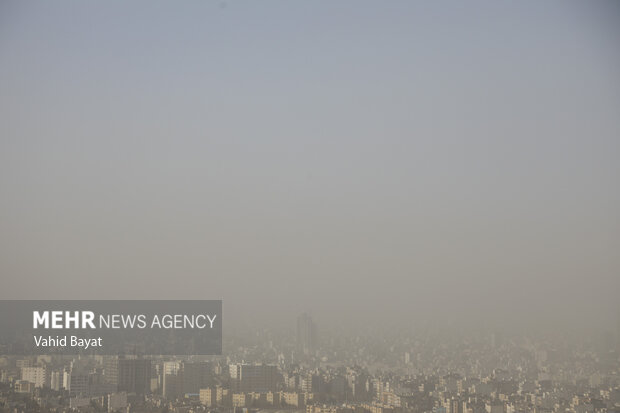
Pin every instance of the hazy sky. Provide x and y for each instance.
(401, 160)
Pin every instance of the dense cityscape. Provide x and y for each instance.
(303, 370)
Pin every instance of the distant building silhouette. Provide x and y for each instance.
(134, 375)
(306, 334)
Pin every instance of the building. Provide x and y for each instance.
(196, 375)
(306, 335)
(117, 401)
(77, 382)
(294, 399)
(35, 375)
(110, 369)
(495, 407)
(207, 397)
(457, 406)
(134, 375)
(28, 362)
(56, 378)
(240, 400)
(23, 386)
(247, 378)
(172, 384)
(317, 408)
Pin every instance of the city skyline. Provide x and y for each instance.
(469, 372)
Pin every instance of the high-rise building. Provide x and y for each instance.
(196, 376)
(172, 383)
(306, 334)
(110, 369)
(134, 375)
(77, 382)
(56, 380)
(35, 375)
(457, 406)
(253, 378)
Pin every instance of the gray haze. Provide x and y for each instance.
(429, 162)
